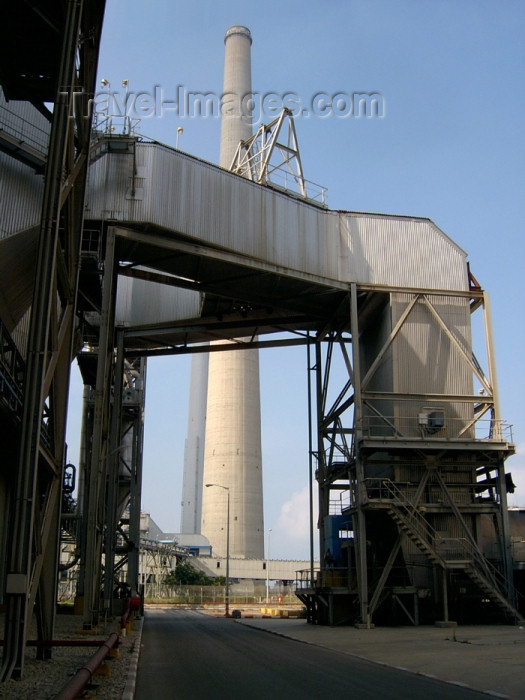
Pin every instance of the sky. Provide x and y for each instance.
(448, 144)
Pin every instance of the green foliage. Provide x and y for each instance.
(186, 575)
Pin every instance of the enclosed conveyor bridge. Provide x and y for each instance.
(256, 253)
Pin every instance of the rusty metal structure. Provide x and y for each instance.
(163, 253)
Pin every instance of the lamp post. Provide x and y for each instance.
(179, 132)
(105, 83)
(227, 593)
(268, 569)
(127, 118)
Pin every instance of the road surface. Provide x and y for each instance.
(190, 655)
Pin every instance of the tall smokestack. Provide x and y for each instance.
(236, 122)
(191, 511)
(232, 450)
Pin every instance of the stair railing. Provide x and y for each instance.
(456, 549)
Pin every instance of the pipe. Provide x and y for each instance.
(77, 684)
(127, 612)
(61, 643)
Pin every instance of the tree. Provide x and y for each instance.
(186, 575)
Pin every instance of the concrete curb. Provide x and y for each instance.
(129, 690)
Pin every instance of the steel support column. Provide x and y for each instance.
(309, 370)
(135, 489)
(83, 491)
(31, 572)
(324, 490)
(361, 557)
(95, 517)
(112, 478)
(506, 546)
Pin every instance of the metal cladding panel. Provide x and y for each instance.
(110, 181)
(178, 192)
(427, 361)
(21, 191)
(224, 210)
(140, 302)
(20, 334)
(22, 121)
(401, 252)
(21, 194)
(18, 257)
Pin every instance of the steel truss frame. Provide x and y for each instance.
(253, 157)
(347, 452)
(271, 157)
(111, 468)
(103, 492)
(35, 522)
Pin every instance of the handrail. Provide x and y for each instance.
(303, 578)
(474, 428)
(465, 549)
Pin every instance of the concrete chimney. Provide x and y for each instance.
(191, 510)
(237, 91)
(232, 451)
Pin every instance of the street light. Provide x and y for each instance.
(268, 569)
(227, 593)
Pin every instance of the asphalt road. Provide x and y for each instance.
(187, 654)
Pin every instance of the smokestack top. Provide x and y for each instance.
(238, 29)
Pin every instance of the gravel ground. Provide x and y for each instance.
(42, 680)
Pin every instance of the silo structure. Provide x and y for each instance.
(232, 452)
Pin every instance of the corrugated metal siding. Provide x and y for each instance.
(220, 209)
(140, 302)
(427, 362)
(25, 123)
(21, 194)
(401, 252)
(20, 334)
(372, 340)
(108, 182)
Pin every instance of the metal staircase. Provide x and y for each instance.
(416, 535)
(492, 592)
(450, 554)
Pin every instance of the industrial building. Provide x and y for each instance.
(408, 453)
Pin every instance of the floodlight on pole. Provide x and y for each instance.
(227, 592)
(127, 118)
(179, 132)
(105, 83)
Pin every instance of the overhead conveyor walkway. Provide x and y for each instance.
(252, 250)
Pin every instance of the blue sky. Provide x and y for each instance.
(450, 147)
